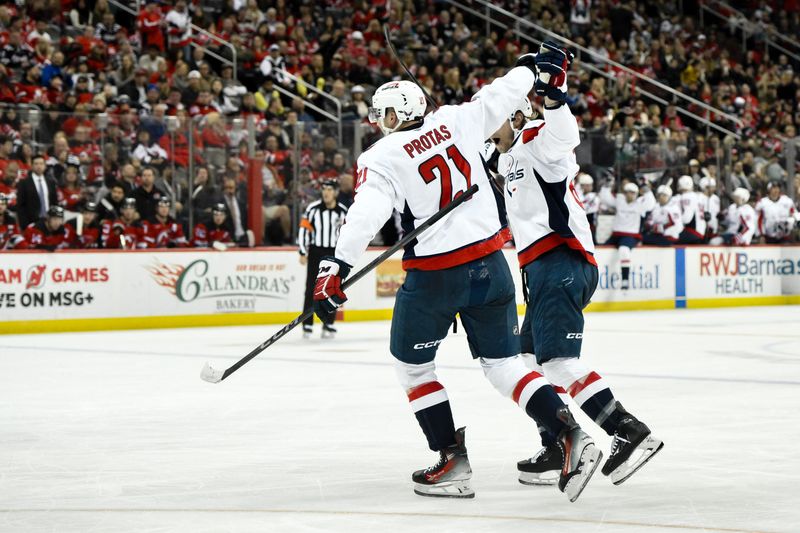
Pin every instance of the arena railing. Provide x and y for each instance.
(195, 30)
(491, 15)
(739, 20)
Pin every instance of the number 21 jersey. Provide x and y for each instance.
(418, 171)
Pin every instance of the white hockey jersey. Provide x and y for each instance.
(590, 201)
(418, 171)
(741, 223)
(543, 207)
(693, 212)
(712, 207)
(666, 220)
(628, 216)
(775, 219)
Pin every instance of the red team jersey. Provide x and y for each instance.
(205, 235)
(38, 237)
(90, 237)
(168, 234)
(113, 231)
(9, 234)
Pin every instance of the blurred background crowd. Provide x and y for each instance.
(193, 101)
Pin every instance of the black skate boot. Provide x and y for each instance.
(544, 468)
(631, 448)
(580, 457)
(328, 331)
(449, 478)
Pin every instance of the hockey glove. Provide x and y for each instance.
(328, 294)
(552, 64)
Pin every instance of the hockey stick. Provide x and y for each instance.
(428, 97)
(215, 376)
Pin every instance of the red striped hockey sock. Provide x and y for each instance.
(432, 408)
(535, 394)
(597, 401)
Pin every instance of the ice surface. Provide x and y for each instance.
(117, 432)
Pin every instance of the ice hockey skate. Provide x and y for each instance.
(328, 332)
(542, 469)
(580, 457)
(448, 478)
(307, 331)
(631, 448)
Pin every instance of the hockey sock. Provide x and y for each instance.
(625, 261)
(588, 389)
(432, 408)
(543, 405)
(529, 389)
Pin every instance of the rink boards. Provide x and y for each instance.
(98, 290)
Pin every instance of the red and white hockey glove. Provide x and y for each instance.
(328, 293)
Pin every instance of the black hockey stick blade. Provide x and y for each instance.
(428, 97)
(215, 376)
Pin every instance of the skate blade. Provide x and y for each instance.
(643, 453)
(590, 460)
(451, 489)
(539, 480)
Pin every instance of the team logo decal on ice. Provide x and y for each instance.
(234, 288)
(35, 277)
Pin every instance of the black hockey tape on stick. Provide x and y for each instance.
(215, 376)
(428, 97)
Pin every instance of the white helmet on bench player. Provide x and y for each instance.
(404, 97)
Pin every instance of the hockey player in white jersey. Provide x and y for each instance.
(419, 166)
(556, 254)
(630, 209)
(711, 206)
(776, 216)
(692, 213)
(664, 225)
(741, 221)
(588, 198)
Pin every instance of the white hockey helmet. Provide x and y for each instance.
(707, 183)
(404, 97)
(741, 194)
(685, 184)
(585, 179)
(664, 189)
(526, 108)
(631, 187)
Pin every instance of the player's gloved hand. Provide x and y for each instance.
(328, 294)
(552, 64)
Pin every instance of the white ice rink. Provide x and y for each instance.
(116, 432)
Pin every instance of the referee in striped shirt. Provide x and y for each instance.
(319, 231)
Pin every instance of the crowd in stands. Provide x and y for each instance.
(144, 106)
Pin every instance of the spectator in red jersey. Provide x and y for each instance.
(49, 233)
(163, 231)
(150, 25)
(10, 236)
(215, 233)
(87, 234)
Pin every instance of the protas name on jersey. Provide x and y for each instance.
(428, 140)
(418, 171)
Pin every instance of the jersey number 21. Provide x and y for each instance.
(438, 162)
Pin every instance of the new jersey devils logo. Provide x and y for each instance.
(35, 277)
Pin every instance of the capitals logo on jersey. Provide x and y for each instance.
(513, 173)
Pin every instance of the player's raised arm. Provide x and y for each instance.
(492, 105)
(561, 135)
